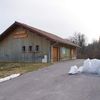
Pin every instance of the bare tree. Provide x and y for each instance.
(79, 39)
(93, 50)
(86, 51)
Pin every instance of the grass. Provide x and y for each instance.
(13, 68)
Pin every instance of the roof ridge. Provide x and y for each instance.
(48, 35)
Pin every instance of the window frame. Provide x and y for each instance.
(23, 48)
(37, 48)
(30, 48)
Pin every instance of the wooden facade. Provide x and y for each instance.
(61, 52)
(23, 45)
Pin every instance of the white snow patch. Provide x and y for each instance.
(9, 77)
(73, 70)
(80, 69)
(89, 66)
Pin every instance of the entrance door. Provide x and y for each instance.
(55, 54)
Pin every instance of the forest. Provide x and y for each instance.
(91, 50)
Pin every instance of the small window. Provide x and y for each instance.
(30, 48)
(37, 48)
(23, 48)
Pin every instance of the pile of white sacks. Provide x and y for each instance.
(89, 66)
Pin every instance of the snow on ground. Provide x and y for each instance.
(9, 77)
(89, 66)
(73, 70)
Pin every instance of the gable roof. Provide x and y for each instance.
(48, 35)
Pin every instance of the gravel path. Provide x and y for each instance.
(52, 83)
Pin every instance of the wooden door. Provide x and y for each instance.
(55, 54)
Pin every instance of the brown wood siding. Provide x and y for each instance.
(11, 47)
(73, 53)
(55, 54)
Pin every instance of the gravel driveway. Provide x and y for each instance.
(52, 83)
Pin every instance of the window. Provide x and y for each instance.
(30, 48)
(23, 48)
(37, 48)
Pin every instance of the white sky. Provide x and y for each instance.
(61, 17)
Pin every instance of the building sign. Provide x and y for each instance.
(20, 34)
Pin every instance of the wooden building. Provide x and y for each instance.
(23, 43)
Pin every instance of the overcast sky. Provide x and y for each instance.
(61, 17)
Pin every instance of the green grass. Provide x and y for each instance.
(13, 68)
